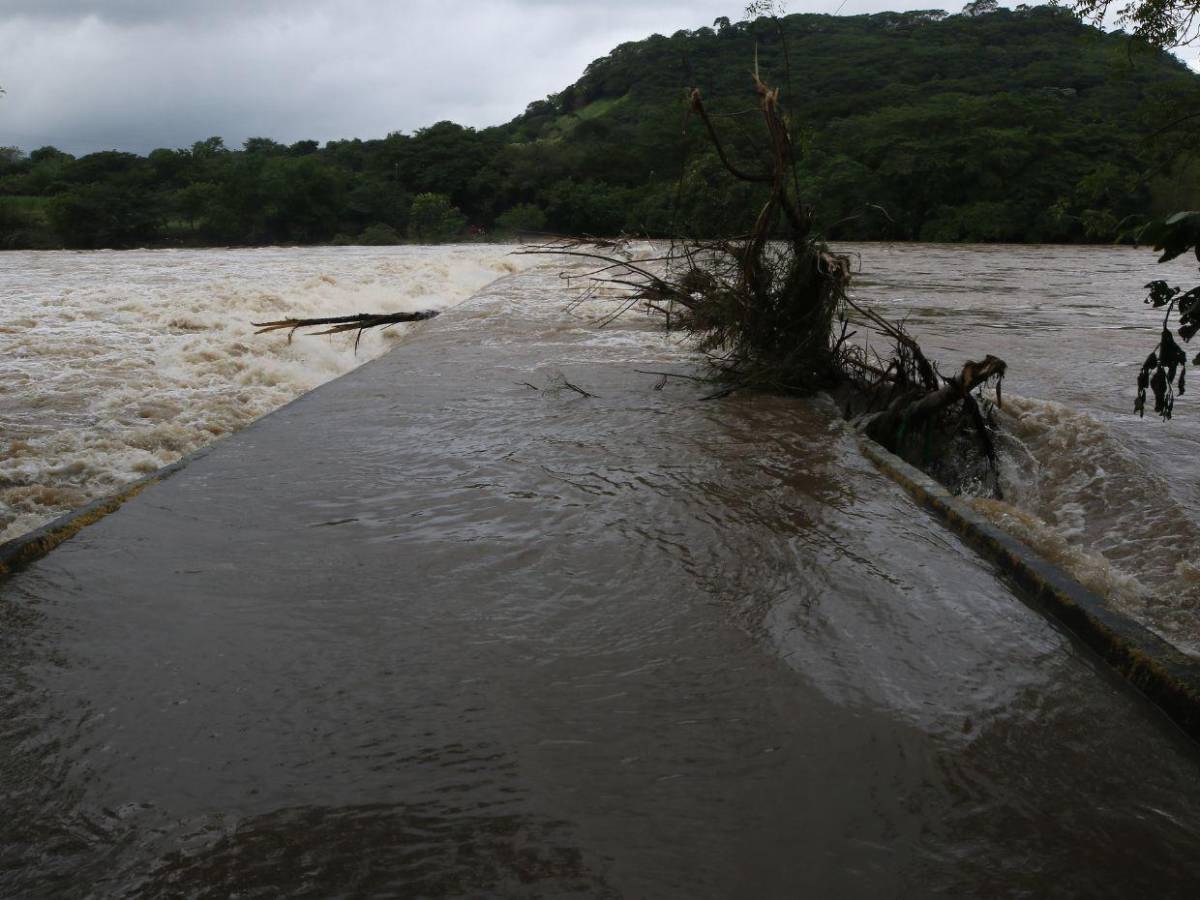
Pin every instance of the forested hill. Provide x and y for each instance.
(1005, 125)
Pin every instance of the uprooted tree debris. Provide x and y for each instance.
(770, 309)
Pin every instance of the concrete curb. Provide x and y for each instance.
(21, 551)
(1169, 678)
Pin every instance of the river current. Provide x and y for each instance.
(115, 364)
(448, 627)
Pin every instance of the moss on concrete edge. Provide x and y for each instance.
(21, 551)
(1168, 677)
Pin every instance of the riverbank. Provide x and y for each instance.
(432, 630)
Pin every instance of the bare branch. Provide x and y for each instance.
(359, 322)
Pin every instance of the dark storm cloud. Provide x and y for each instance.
(137, 74)
(140, 11)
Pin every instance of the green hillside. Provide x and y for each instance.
(1018, 125)
(1024, 125)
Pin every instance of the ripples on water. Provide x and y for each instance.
(115, 364)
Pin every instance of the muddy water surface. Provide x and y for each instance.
(446, 627)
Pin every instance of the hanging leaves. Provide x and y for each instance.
(1158, 374)
(1160, 294)
(1165, 370)
(1143, 382)
(1189, 314)
(1171, 355)
(1173, 236)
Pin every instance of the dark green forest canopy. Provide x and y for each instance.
(1021, 125)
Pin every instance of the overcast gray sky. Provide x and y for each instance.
(88, 75)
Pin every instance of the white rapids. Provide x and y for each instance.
(113, 364)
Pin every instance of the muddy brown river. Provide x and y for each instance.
(446, 627)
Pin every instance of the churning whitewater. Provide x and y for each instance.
(113, 364)
(1090, 485)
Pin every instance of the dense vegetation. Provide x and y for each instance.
(1001, 125)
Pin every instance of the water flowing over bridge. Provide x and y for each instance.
(446, 626)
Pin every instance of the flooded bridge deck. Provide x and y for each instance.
(432, 631)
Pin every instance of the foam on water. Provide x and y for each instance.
(1091, 504)
(115, 364)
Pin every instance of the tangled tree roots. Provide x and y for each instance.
(799, 340)
(771, 310)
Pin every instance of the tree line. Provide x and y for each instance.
(988, 125)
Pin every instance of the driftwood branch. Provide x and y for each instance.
(359, 322)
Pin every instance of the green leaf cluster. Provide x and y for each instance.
(434, 219)
(1173, 236)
